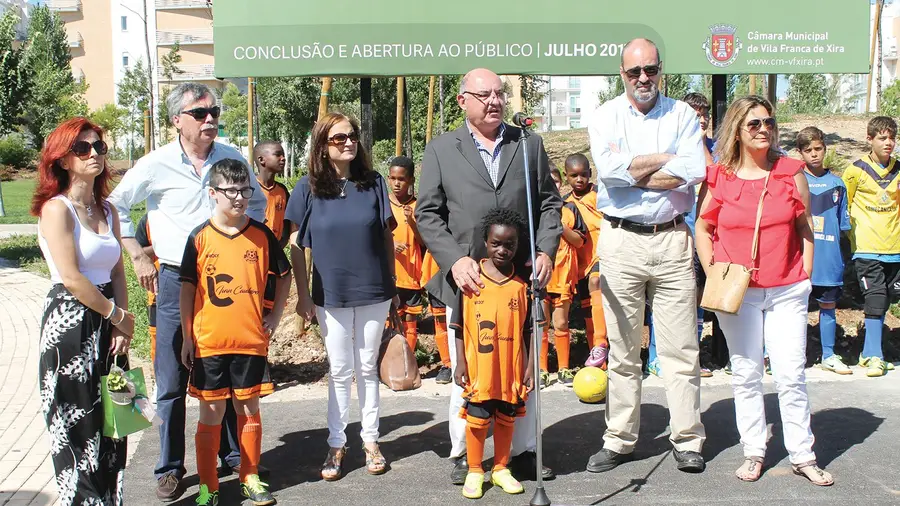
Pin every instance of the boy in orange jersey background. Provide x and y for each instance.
(229, 263)
(270, 160)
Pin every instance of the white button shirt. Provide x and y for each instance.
(670, 127)
(177, 198)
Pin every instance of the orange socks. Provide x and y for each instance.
(409, 330)
(561, 340)
(545, 350)
(599, 320)
(503, 436)
(250, 435)
(589, 332)
(440, 338)
(206, 442)
(475, 437)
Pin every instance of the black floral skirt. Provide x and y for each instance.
(74, 350)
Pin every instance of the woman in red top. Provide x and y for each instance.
(774, 310)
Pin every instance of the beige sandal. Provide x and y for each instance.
(331, 469)
(375, 461)
(813, 473)
(750, 470)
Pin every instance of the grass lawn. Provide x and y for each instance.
(17, 201)
(24, 251)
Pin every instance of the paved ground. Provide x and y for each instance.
(26, 471)
(854, 421)
(11, 230)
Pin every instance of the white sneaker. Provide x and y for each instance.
(835, 365)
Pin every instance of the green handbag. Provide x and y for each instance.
(121, 415)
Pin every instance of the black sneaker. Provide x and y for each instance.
(444, 376)
(460, 470)
(524, 465)
(607, 460)
(257, 491)
(169, 488)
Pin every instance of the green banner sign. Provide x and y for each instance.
(575, 37)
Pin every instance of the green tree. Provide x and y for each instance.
(112, 119)
(677, 85)
(134, 97)
(532, 88)
(890, 101)
(13, 84)
(169, 69)
(615, 88)
(807, 93)
(234, 115)
(54, 95)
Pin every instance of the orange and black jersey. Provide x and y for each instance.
(429, 268)
(495, 326)
(232, 274)
(408, 265)
(276, 202)
(565, 269)
(587, 206)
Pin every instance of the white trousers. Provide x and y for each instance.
(352, 339)
(525, 432)
(776, 317)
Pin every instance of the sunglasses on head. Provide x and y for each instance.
(341, 139)
(650, 70)
(757, 123)
(83, 148)
(200, 113)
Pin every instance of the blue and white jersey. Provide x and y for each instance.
(828, 206)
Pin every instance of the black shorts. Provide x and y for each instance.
(411, 301)
(485, 410)
(880, 284)
(222, 376)
(827, 294)
(557, 300)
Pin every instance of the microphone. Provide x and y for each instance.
(521, 120)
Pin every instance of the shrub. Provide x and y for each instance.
(835, 162)
(382, 152)
(6, 173)
(890, 100)
(14, 151)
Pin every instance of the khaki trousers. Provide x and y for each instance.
(659, 268)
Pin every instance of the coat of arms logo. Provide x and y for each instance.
(722, 46)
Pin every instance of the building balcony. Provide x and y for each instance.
(78, 75)
(182, 4)
(75, 40)
(190, 73)
(64, 5)
(890, 49)
(184, 37)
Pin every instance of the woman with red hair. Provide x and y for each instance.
(86, 320)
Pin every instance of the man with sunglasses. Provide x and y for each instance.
(173, 181)
(649, 154)
(465, 174)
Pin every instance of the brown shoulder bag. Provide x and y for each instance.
(397, 367)
(726, 282)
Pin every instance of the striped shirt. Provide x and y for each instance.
(490, 158)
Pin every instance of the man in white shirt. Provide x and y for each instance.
(173, 181)
(649, 153)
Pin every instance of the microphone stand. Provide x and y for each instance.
(540, 497)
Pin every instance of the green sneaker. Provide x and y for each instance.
(544, 380)
(256, 491)
(835, 365)
(727, 368)
(875, 367)
(565, 377)
(205, 498)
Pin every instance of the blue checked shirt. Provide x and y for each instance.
(490, 158)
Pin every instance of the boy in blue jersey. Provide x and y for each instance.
(828, 206)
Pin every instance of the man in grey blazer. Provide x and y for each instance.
(466, 173)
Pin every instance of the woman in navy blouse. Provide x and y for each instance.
(344, 216)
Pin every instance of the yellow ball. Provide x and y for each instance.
(590, 384)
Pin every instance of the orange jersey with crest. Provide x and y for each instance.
(232, 274)
(494, 326)
(409, 263)
(276, 202)
(587, 206)
(430, 268)
(565, 270)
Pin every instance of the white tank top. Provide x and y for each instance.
(97, 253)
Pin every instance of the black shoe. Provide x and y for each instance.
(261, 471)
(607, 460)
(169, 488)
(523, 467)
(444, 376)
(460, 470)
(689, 462)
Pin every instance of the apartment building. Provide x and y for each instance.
(187, 23)
(20, 7)
(568, 102)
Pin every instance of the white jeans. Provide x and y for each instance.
(524, 434)
(352, 339)
(776, 317)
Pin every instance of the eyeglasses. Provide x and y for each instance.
(755, 124)
(83, 148)
(650, 70)
(484, 96)
(341, 139)
(200, 113)
(232, 193)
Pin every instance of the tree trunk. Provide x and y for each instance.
(441, 103)
(880, 63)
(149, 76)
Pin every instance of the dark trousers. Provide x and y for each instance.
(171, 385)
